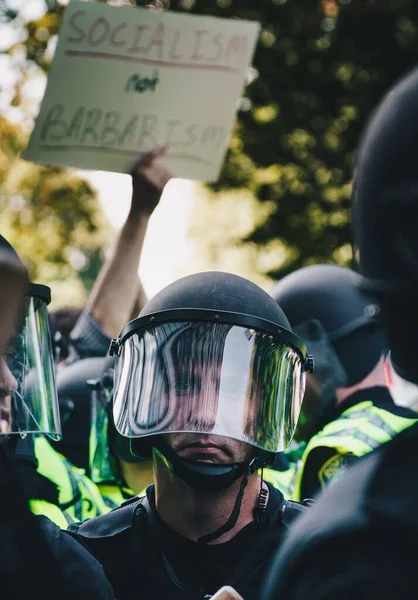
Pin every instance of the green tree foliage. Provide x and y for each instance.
(320, 68)
(52, 218)
(50, 215)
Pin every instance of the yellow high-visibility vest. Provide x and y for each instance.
(357, 431)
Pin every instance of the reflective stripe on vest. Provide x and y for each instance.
(374, 418)
(357, 431)
(350, 432)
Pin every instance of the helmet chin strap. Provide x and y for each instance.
(233, 517)
(212, 477)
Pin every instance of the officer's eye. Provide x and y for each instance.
(182, 386)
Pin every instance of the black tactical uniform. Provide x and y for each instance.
(360, 540)
(212, 355)
(142, 556)
(36, 559)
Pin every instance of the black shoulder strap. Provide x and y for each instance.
(130, 501)
(116, 521)
(118, 540)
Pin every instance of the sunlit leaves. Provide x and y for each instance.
(49, 215)
(321, 67)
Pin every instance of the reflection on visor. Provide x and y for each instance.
(102, 464)
(209, 378)
(34, 400)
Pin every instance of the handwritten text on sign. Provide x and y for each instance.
(125, 79)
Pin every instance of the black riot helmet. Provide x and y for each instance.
(386, 217)
(74, 396)
(212, 353)
(336, 320)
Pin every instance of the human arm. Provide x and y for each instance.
(117, 295)
(117, 287)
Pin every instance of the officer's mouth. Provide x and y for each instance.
(204, 452)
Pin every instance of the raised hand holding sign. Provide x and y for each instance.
(127, 79)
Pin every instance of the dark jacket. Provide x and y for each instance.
(37, 559)
(360, 540)
(143, 556)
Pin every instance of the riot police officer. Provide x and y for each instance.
(361, 538)
(209, 382)
(31, 553)
(55, 487)
(348, 410)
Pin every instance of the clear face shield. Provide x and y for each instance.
(103, 468)
(212, 378)
(27, 377)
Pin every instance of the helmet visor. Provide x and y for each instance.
(102, 464)
(212, 378)
(30, 371)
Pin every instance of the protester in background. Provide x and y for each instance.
(360, 540)
(117, 295)
(348, 410)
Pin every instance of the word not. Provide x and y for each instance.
(158, 41)
(96, 127)
(136, 83)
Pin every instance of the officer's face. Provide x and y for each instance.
(15, 281)
(10, 304)
(209, 448)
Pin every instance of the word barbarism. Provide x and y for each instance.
(111, 129)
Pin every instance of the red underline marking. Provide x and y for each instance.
(150, 61)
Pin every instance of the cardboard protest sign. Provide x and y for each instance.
(124, 79)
